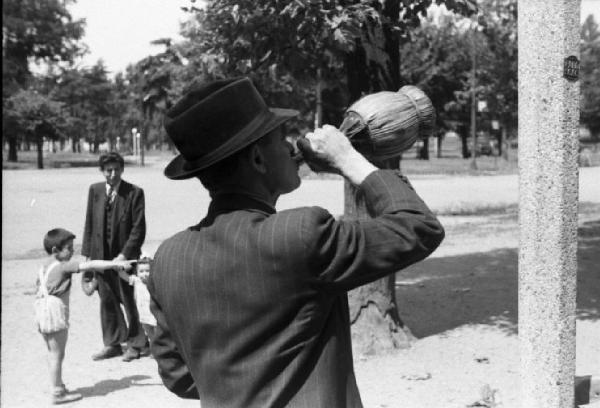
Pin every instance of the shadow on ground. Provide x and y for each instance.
(105, 387)
(440, 294)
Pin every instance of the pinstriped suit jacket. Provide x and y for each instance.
(251, 304)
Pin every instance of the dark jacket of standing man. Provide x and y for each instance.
(251, 303)
(115, 228)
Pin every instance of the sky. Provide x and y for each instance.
(120, 31)
(590, 7)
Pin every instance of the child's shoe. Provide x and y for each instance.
(61, 396)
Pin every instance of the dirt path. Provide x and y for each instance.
(35, 201)
(461, 303)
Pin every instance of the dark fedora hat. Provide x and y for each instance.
(215, 120)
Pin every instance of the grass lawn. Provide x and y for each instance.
(28, 160)
(450, 164)
(461, 302)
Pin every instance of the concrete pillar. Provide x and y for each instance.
(548, 183)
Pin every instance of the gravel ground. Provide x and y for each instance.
(460, 303)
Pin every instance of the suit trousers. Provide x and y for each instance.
(113, 292)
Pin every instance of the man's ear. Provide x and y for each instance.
(257, 159)
(55, 250)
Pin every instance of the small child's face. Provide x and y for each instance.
(143, 271)
(66, 252)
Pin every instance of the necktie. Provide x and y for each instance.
(110, 195)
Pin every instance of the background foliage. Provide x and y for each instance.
(317, 56)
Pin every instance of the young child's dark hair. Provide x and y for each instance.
(57, 237)
(145, 260)
(111, 157)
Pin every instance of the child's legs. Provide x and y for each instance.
(56, 343)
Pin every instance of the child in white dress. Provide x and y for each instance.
(139, 280)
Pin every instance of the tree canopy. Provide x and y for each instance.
(316, 56)
(289, 48)
(35, 30)
(35, 116)
(590, 76)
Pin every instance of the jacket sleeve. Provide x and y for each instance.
(136, 237)
(171, 367)
(346, 254)
(87, 231)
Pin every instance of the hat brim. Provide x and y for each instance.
(179, 168)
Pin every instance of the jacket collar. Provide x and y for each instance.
(232, 201)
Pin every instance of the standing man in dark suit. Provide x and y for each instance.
(115, 228)
(251, 304)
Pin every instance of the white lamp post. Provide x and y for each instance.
(133, 142)
(137, 142)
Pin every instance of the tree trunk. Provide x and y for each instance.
(148, 115)
(357, 76)
(464, 141)
(424, 150)
(142, 145)
(439, 140)
(391, 9)
(505, 143)
(12, 149)
(474, 102)
(40, 152)
(319, 94)
(499, 141)
(376, 323)
(594, 133)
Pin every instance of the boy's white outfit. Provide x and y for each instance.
(51, 309)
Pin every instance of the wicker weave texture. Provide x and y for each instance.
(385, 124)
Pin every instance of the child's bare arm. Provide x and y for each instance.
(100, 265)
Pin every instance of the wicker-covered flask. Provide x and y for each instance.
(385, 124)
